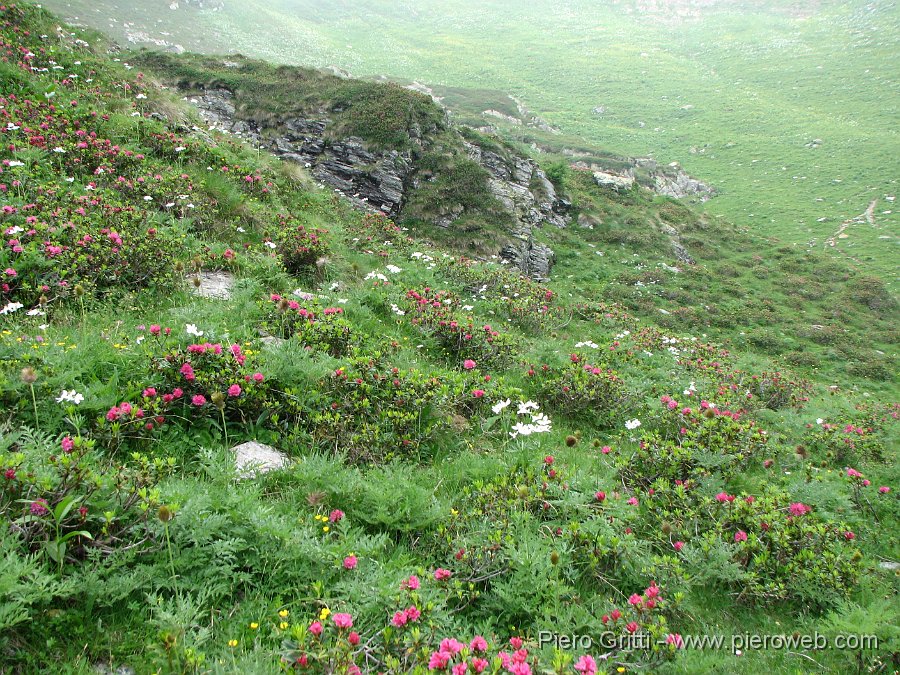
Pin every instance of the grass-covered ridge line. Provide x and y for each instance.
(474, 457)
(383, 114)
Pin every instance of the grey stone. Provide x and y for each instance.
(252, 458)
(615, 181)
(889, 565)
(680, 185)
(216, 285)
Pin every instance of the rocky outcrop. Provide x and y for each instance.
(532, 258)
(371, 179)
(524, 190)
(381, 179)
(614, 181)
(680, 185)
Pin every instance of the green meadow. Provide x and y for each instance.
(738, 93)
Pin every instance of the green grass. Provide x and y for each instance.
(734, 95)
(244, 550)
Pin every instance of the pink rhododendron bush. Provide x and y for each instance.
(246, 427)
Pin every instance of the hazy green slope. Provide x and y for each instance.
(735, 94)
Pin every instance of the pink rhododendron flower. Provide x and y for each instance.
(350, 562)
(799, 509)
(234, 390)
(675, 639)
(439, 660)
(451, 645)
(342, 620)
(478, 644)
(678, 545)
(315, 628)
(740, 535)
(441, 574)
(335, 515)
(468, 364)
(198, 400)
(586, 665)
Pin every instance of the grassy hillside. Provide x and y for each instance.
(811, 313)
(739, 93)
(474, 458)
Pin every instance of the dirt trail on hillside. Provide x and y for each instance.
(867, 216)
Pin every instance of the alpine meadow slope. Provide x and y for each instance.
(683, 429)
(788, 108)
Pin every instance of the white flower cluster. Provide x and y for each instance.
(12, 307)
(396, 310)
(70, 397)
(632, 424)
(375, 275)
(539, 423)
(592, 345)
(193, 330)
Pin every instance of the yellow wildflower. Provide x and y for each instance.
(283, 613)
(254, 626)
(232, 643)
(324, 613)
(283, 625)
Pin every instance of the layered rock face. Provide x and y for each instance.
(525, 191)
(381, 179)
(371, 180)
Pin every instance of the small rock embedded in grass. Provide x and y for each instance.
(252, 458)
(216, 285)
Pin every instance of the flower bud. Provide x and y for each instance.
(28, 375)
